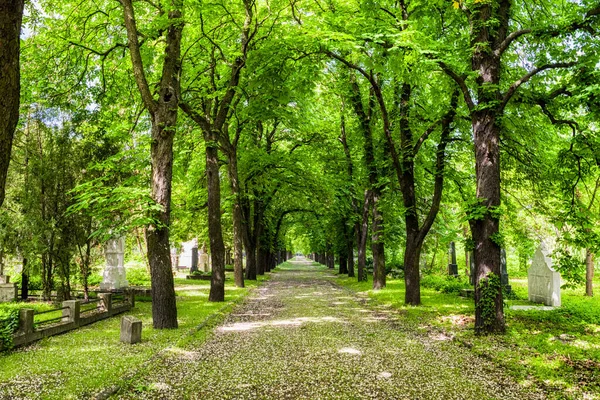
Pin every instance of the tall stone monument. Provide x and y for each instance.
(114, 276)
(203, 259)
(542, 280)
(452, 266)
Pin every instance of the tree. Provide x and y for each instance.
(163, 113)
(11, 16)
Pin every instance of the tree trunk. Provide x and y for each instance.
(350, 252)
(164, 306)
(412, 274)
(589, 273)
(25, 280)
(237, 216)
(343, 264)
(217, 247)
(250, 260)
(362, 232)
(261, 259)
(11, 16)
(377, 246)
(486, 252)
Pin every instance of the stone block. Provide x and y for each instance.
(543, 281)
(4, 279)
(8, 292)
(131, 329)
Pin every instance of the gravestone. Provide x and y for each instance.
(131, 329)
(174, 258)
(504, 271)
(186, 258)
(452, 266)
(471, 269)
(543, 281)
(8, 292)
(114, 276)
(203, 260)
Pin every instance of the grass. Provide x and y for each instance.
(90, 359)
(557, 350)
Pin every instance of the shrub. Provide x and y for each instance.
(448, 284)
(138, 276)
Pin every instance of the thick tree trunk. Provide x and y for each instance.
(164, 306)
(484, 230)
(589, 273)
(11, 16)
(237, 216)
(250, 260)
(217, 247)
(377, 246)
(261, 259)
(343, 264)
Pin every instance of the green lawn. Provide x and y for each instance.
(558, 350)
(88, 360)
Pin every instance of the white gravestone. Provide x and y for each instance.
(543, 281)
(185, 258)
(203, 260)
(114, 276)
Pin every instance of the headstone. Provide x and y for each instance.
(504, 272)
(452, 266)
(131, 329)
(8, 292)
(471, 269)
(543, 281)
(203, 260)
(114, 276)
(194, 267)
(186, 258)
(4, 279)
(174, 258)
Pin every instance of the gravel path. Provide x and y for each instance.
(300, 336)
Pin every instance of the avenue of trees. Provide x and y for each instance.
(372, 131)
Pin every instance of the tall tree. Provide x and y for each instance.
(163, 113)
(11, 17)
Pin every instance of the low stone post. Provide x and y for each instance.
(26, 321)
(106, 302)
(131, 330)
(131, 297)
(72, 313)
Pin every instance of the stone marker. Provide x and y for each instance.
(543, 281)
(504, 272)
(203, 260)
(452, 266)
(8, 292)
(4, 279)
(131, 329)
(186, 257)
(114, 276)
(471, 269)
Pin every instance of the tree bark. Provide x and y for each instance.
(350, 252)
(217, 247)
(589, 273)
(361, 235)
(11, 17)
(237, 216)
(377, 246)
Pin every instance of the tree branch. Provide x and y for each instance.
(460, 81)
(511, 90)
(136, 57)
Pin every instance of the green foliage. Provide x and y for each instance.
(446, 284)
(489, 289)
(571, 267)
(138, 276)
(9, 323)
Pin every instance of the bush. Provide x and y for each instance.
(448, 284)
(138, 276)
(9, 323)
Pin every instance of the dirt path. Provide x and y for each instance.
(302, 337)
